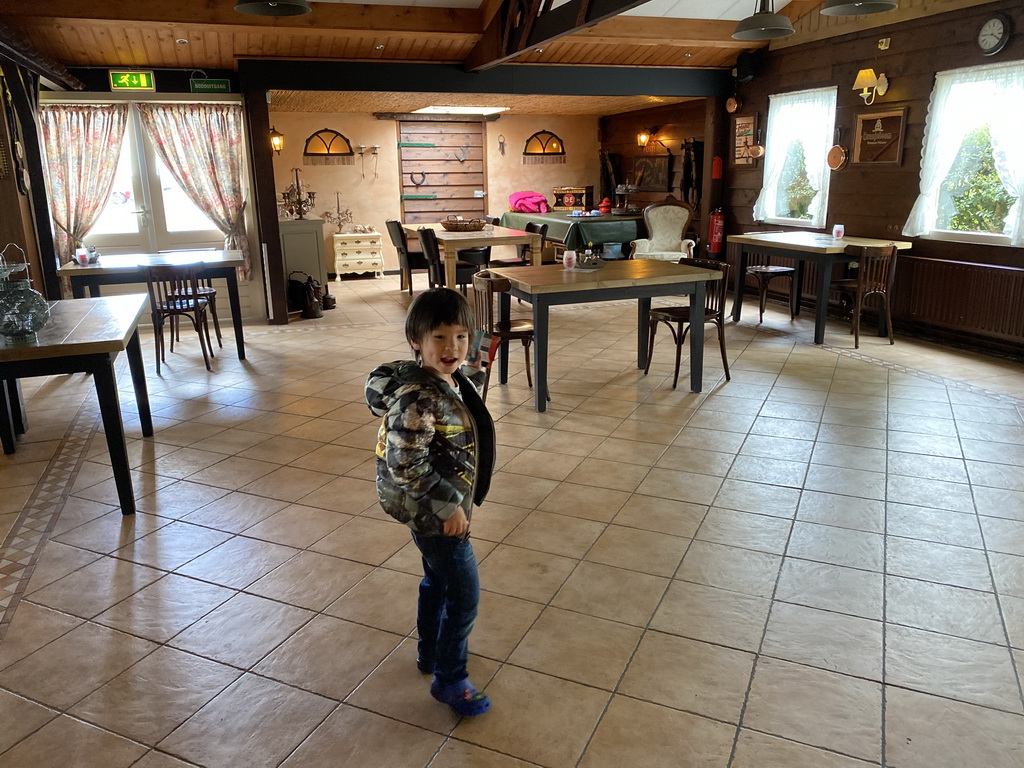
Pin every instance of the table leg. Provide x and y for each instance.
(110, 410)
(540, 354)
(94, 290)
(798, 285)
(236, 311)
(449, 269)
(643, 331)
(821, 301)
(739, 280)
(536, 251)
(8, 430)
(697, 299)
(504, 311)
(77, 288)
(138, 369)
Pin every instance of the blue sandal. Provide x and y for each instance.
(462, 697)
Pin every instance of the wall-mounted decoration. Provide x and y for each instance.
(879, 137)
(543, 147)
(650, 173)
(744, 127)
(327, 147)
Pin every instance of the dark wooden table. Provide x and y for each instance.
(126, 269)
(82, 336)
(642, 279)
(802, 247)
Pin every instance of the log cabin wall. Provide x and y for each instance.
(987, 282)
(675, 123)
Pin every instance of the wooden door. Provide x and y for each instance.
(442, 165)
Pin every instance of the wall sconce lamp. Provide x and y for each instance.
(276, 140)
(642, 138)
(871, 85)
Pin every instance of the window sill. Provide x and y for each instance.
(976, 238)
(795, 223)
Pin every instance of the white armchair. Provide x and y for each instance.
(666, 224)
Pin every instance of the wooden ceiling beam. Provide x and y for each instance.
(325, 16)
(678, 33)
(548, 26)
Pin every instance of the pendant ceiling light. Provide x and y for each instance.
(857, 7)
(274, 7)
(765, 24)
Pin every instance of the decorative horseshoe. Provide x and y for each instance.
(461, 158)
(412, 178)
(501, 144)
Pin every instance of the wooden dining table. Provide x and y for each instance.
(453, 242)
(820, 249)
(639, 279)
(130, 268)
(82, 336)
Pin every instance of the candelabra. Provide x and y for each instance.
(298, 200)
(340, 216)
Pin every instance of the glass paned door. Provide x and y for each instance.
(148, 211)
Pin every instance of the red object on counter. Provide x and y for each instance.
(605, 206)
(716, 168)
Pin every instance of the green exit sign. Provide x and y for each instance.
(209, 85)
(132, 80)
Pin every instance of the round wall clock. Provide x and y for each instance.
(994, 34)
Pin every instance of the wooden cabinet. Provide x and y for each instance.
(302, 244)
(358, 252)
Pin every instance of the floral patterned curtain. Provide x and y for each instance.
(82, 146)
(201, 146)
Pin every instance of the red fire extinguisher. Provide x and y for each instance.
(716, 231)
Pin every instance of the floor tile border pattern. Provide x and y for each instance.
(21, 550)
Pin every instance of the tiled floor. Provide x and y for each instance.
(817, 565)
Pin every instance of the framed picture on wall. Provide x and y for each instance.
(650, 173)
(879, 137)
(744, 128)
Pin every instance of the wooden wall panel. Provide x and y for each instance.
(875, 201)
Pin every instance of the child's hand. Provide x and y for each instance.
(457, 524)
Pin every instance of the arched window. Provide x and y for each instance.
(327, 147)
(544, 147)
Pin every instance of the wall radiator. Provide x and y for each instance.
(958, 296)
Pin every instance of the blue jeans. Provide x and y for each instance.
(449, 595)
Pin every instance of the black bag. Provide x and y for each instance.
(304, 296)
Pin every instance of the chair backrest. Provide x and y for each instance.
(876, 267)
(173, 289)
(494, 221)
(485, 285)
(432, 252)
(714, 301)
(397, 233)
(536, 229)
(666, 224)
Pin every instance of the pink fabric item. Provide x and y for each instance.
(528, 202)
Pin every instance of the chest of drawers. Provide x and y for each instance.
(358, 252)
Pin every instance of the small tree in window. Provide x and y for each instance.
(972, 197)
(796, 192)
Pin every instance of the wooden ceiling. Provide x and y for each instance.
(210, 34)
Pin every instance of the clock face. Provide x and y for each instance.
(994, 35)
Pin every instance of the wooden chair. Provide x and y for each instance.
(714, 312)
(208, 292)
(876, 270)
(464, 271)
(174, 293)
(666, 232)
(407, 260)
(486, 286)
(760, 267)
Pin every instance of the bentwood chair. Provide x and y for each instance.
(714, 313)
(666, 232)
(876, 269)
(760, 267)
(208, 292)
(408, 260)
(487, 285)
(173, 294)
(464, 271)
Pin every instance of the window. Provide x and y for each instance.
(972, 166)
(800, 128)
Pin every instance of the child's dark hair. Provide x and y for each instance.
(434, 308)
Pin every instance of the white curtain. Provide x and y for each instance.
(807, 116)
(964, 100)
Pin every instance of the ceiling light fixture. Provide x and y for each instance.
(765, 24)
(275, 8)
(440, 110)
(857, 7)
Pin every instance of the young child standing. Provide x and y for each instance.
(435, 455)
